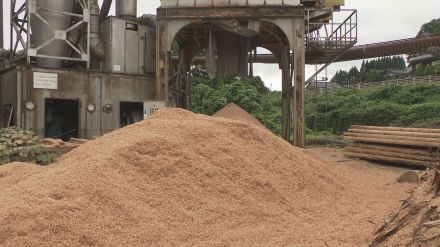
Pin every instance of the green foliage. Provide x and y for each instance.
(389, 105)
(373, 70)
(327, 114)
(22, 145)
(437, 68)
(208, 96)
(428, 70)
(430, 29)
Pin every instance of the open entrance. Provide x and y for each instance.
(61, 119)
(7, 117)
(131, 112)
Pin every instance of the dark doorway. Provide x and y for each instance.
(61, 119)
(131, 112)
(7, 116)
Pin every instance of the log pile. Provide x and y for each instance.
(405, 146)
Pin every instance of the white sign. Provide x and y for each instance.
(45, 80)
(117, 68)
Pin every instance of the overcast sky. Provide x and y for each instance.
(379, 20)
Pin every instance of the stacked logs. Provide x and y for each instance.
(405, 146)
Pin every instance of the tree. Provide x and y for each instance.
(437, 69)
(372, 70)
(429, 29)
(250, 93)
(340, 78)
(374, 75)
(353, 75)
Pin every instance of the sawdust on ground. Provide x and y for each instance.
(184, 179)
(417, 222)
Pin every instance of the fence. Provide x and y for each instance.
(407, 80)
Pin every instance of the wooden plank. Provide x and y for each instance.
(398, 161)
(398, 133)
(390, 141)
(423, 130)
(394, 137)
(390, 154)
(396, 149)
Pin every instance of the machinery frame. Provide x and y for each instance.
(21, 32)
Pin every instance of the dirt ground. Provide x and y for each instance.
(376, 185)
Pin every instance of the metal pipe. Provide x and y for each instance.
(390, 48)
(126, 9)
(96, 44)
(105, 8)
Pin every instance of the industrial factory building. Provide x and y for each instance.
(82, 73)
(78, 72)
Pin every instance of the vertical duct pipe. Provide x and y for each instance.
(105, 8)
(96, 45)
(126, 9)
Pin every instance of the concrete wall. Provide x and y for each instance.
(8, 92)
(86, 87)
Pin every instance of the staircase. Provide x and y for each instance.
(328, 38)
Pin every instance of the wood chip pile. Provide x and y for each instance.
(182, 179)
(234, 112)
(404, 146)
(417, 223)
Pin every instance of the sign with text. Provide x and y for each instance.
(45, 80)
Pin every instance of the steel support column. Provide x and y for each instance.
(299, 83)
(162, 62)
(286, 98)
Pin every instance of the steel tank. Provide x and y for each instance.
(41, 32)
(126, 9)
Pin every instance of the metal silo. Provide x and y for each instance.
(126, 8)
(54, 25)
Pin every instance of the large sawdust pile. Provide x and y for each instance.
(234, 112)
(181, 179)
(417, 223)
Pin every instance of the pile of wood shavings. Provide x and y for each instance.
(234, 112)
(180, 178)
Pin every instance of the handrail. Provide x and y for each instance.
(407, 80)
